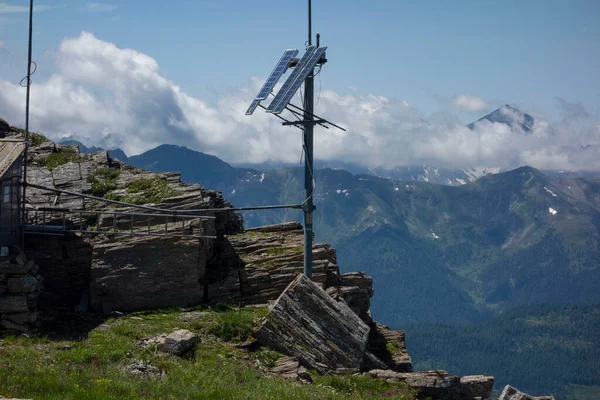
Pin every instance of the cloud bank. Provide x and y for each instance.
(470, 103)
(113, 97)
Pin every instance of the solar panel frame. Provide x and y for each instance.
(253, 106)
(297, 69)
(279, 69)
(275, 75)
(303, 73)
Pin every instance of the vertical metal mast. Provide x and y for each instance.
(26, 124)
(308, 159)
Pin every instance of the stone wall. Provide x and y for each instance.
(147, 272)
(65, 264)
(20, 287)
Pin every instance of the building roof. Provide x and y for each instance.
(10, 151)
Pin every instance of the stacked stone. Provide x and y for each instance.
(20, 287)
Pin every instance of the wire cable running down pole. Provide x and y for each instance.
(23, 216)
(308, 206)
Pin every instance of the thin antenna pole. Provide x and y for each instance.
(309, 22)
(23, 215)
(308, 159)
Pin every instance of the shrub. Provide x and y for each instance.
(267, 357)
(60, 157)
(37, 139)
(149, 190)
(104, 180)
(236, 324)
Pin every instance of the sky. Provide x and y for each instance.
(138, 73)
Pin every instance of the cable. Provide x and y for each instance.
(319, 96)
(163, 210)
(312, 177)
(28, 78)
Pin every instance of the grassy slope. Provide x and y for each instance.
(55, 367)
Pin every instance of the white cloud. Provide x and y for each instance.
(6, 8)
(114, 97)
(100, 7)
(470, 103)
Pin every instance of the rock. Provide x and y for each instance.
(346, 371)
(19, 267)
(145, 370)
(25, 284)
(307, 323)
(13, 304)
(193, 315)
(435, 384)
(145, 272)
(390, 346)
(15, 327)
(373, 362)
(289, 368)
(269, 258)
(511, 393)
(19, 259)
(178, 342)
(476, 386)
(249, 345)
(286, 226)
(3, 289)
(22, 318)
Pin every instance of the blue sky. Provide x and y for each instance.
(426, 52)
(458, 59)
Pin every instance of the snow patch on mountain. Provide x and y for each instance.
(551, 192)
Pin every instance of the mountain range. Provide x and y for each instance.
(437, 253)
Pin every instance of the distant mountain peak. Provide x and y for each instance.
(516, 119)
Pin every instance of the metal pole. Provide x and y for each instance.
(308, 159)
(23, 216)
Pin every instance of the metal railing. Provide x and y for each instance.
(57, 221)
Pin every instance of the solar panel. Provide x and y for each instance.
(253, 106)
(309, 52)
(304, 71)
(278, 71)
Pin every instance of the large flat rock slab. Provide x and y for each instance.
(307, 323)
(511, 393)
(440, 385)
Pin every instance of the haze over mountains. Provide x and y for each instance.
(438, 253)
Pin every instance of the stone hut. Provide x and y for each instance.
(11, 162)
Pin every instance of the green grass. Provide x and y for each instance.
(37, 138)
(275, 251)
(392, 347)
(39, 367)
(60, 157)
(237, 325)
(103, 180)
(149, 190)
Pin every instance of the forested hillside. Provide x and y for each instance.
(539, 349)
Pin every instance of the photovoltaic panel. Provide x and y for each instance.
(278, 71)
(253, 106)
(297, 69)
(303, 73)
